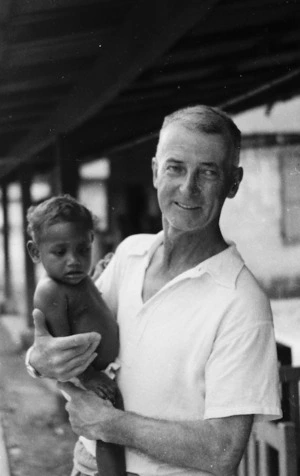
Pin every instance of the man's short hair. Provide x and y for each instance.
(211, 120)
(62, 208)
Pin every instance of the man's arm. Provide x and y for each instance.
(215, 445)
(61, 358)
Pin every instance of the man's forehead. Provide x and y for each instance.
(176, 138)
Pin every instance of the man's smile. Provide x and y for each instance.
(187, 207)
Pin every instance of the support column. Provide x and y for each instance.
(29, 266)
(6, 259)
(65, 170)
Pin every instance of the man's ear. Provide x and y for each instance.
(33, 251)
(154, 171)
(237, 177)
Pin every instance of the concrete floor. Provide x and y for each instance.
(35, 436)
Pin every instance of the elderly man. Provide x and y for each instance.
(197, 351)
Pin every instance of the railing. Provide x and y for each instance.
(274, 448)
(271, 450)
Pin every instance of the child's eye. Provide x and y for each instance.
(58, 252)
(84, 250)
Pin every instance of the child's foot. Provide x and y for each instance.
(102, 385)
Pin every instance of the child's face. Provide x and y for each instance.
(65, 252)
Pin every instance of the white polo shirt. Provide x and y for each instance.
(202, 347)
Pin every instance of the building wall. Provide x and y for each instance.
(253, 219)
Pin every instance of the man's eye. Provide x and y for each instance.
(174, 168)
(209, 173)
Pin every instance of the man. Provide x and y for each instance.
(197, 349)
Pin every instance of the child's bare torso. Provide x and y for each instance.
(73, 309)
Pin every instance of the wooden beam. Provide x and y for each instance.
(262, 89)
(232, 17)
(151, 28)
(11, 104)
(25, 8)
(43, 82)
(55, 49)
(83, 15)
(146, 128)
(9, 129)
(191, 51)
(267, 61)
(30, 116)
(5, 11)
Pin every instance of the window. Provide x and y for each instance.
(290, 163)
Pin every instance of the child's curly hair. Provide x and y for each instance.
(62, 208)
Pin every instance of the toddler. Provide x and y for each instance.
(62, 231)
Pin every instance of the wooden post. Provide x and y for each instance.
(56, 185)
(65, 175)
(29, 266)
(288, 452)
(7, 270)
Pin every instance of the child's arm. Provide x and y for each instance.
(50, 298)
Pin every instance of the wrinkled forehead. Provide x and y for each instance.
(176, 138)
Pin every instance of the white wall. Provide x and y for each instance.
(252, 219)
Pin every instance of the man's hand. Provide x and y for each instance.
(61, 357)
(214, 446)
(90, 416)
(101, 265)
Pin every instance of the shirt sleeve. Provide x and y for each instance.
(108, 282)
(242, 375)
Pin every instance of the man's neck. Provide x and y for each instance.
(183, 251)
(177, 253)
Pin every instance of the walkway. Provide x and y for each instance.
(35, 438)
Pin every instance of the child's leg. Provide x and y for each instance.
(100, 383)
(110, 457)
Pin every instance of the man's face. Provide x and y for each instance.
(193, 176)
(65, 251)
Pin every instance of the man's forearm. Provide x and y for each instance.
(215, 446)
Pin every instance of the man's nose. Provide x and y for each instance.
(190, 184)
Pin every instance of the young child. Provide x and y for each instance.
(61, 231)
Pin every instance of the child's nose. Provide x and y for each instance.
(73, 258)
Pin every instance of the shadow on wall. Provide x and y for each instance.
(283, 287)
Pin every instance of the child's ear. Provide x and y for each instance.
(33, 251)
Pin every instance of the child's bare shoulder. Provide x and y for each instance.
(47, 285)
(48, 290)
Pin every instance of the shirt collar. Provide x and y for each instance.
(147, 246)
(223, 267)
